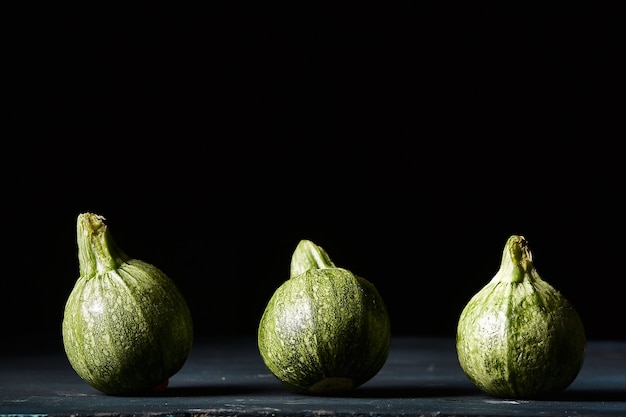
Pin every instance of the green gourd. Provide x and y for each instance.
(126, 326)
(519, 337)
(324, 331)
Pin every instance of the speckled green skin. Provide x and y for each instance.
(126, 327)
(518, 337)
(325, 331)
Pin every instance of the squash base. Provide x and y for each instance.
(332, 385)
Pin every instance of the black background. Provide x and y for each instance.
(408, 141)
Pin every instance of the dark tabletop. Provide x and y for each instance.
(227, 378)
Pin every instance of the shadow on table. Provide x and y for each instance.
(413, 392)
(590, 395)
(363, 392)
(575, 395)
(213, 391)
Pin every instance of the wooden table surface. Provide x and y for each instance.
(227, 378)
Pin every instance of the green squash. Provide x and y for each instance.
(126, 327)
(519, 337)
(324, 331)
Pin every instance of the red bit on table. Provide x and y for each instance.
(161, 387)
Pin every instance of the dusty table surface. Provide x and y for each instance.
(421, 377)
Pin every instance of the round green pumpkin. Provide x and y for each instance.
(519, 337)
(325, 330)
(126, 327)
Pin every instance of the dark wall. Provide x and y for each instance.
(410, 144)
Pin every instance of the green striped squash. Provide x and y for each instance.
(324, 331)
(519, 337)
(126, 327)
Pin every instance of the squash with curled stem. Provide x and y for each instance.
(324, 331)
(126, 327)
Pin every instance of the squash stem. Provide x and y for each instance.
(97, 251)
(307, 256)
(517, 261)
